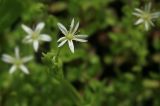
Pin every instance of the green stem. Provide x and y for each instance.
(57, 55)
(72, 93)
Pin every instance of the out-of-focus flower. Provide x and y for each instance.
(70, 35)
(146, 16)
(35, 36)
(17, 61)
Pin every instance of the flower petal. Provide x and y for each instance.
(27, 29)
(81, 36)
(39, 27)
(151, 23)
(61, 39)
(136, 14)
(62, 28)
(76, 28)
(36, 45)
(139, 21)
(71, 46)
(155, 15)
(7, 58)
(45, 37)
(72, 25)
(62, 43)
(12, 69)
(17, 52)
(146, 24)
(27, 39)
(26, 59)
(80, 40)
(148, 7)
(24, 69)
(138, 10)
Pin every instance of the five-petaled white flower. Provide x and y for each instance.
(145, 16)
(35, 36)
(16, 61)
(70, 35)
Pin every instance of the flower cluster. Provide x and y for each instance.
(35, 37)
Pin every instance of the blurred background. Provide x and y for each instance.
(118, 66)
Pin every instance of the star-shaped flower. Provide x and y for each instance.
(146, 16)
(35, 36)
(16, 61)
(70, 35)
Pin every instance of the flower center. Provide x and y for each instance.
(146, 16)
(18, 62)
(70, 36)
(35, 36)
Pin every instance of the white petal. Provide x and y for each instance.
(39, 27)
(81, 36)
(27, 39)
(17, 52)
(138, 10)
(72, 25)
(7, 58)
(155, 15)
(146, 25)
(148, 7)
(36, 45)
(12, 69)
(61, 39)
(80, 40)
(136, 14)
(76, 28)
(62, 28)
(62, 43)
(26, 59)
(27, 29)
(139, 21)
(24, 69)
(152, 24)
(71, 46)
(45, 37)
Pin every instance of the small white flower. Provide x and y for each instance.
(35, 36)
(145, 16)
(16, 61)
(70, 35)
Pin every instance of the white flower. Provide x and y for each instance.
(70, 35)
(16, 61)
(34, 36)
(145, 16)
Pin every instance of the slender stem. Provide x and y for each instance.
(57, 55)
(71, 91)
